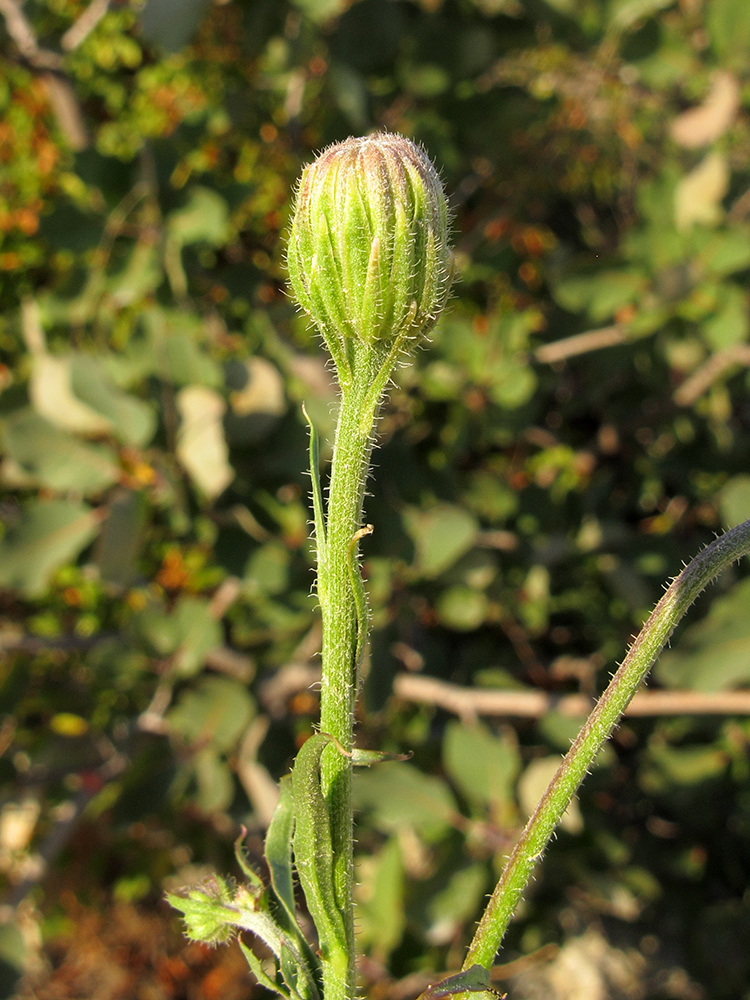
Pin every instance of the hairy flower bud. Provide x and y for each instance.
(368, 252)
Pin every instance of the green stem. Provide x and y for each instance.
(642, 655)
(340, 606)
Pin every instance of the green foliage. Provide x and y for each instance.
(155, 561)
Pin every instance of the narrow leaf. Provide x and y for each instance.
(317, 495)
(278, 850)
(473, 980)
(313, 849)
(259, 972)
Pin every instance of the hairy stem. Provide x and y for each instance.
(339, 610)
(598, 728)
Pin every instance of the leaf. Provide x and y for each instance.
(712, 654)
(313, 849)
(380, 905)
(201, 447)
(49, 534)
(730, 323)
(130, 418)
(726, 252)
(321, 10)
(728, 24)
(215, 712)
(734, 501)
(441, 536)
(51, 393)
(398, 794)
(473, 980)
(601, 293)
(704, 124)
(690, 765)
(625, 14)
(122, 537)
(484, 767)
(456, 901)
(698, 196)
(532, 786)
(171, 23)
(278, 850)
(256, 400)
(44, 455)
(215, 781)
(462, 608)
(205, 217)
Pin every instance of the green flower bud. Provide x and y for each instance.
(368, 252)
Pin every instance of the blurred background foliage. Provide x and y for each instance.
(577, 427)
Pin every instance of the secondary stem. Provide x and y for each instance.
(642, 655)
(349, 469)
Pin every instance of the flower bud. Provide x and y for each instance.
(368, 252)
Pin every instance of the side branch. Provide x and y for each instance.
(643, 653)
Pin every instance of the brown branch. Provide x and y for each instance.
(581, 343)
(84, 25)
(49, 66)
(716, 366)
(469, 703)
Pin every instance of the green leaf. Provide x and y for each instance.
(48, 534)
(44, 455)
(441, 536)
(398, 794)
(462, 608)
(215, 781)
(730, 324)
(380, 908)
(734, 501)
(728, 23)
(712, 654)
(687, 765)
(473, 980)
(313, 849)
(457, 900)
(602, 293)
(534, 783)
(625, 14)
(278, 851)
(205, 217)
(122, 538)
(52, 396)
(320, 10)
(484, 767)
(260, 973)
(201, 446)
(131, 419)
(215, 712)
(726, 252)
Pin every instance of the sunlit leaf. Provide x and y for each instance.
(215, 712)
(482, 766)
(712, 654)
(397, 794)
(441, 536)
(201, 446)
(48, 534)
(698, 195)
(44, 455)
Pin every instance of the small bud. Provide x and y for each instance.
(205, 911)
(368, 251)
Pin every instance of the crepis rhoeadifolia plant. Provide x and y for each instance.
(369, 261)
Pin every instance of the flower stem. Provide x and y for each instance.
(642, 655)
(360, 400)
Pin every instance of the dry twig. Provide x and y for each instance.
(580, 343)
(469, 703)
